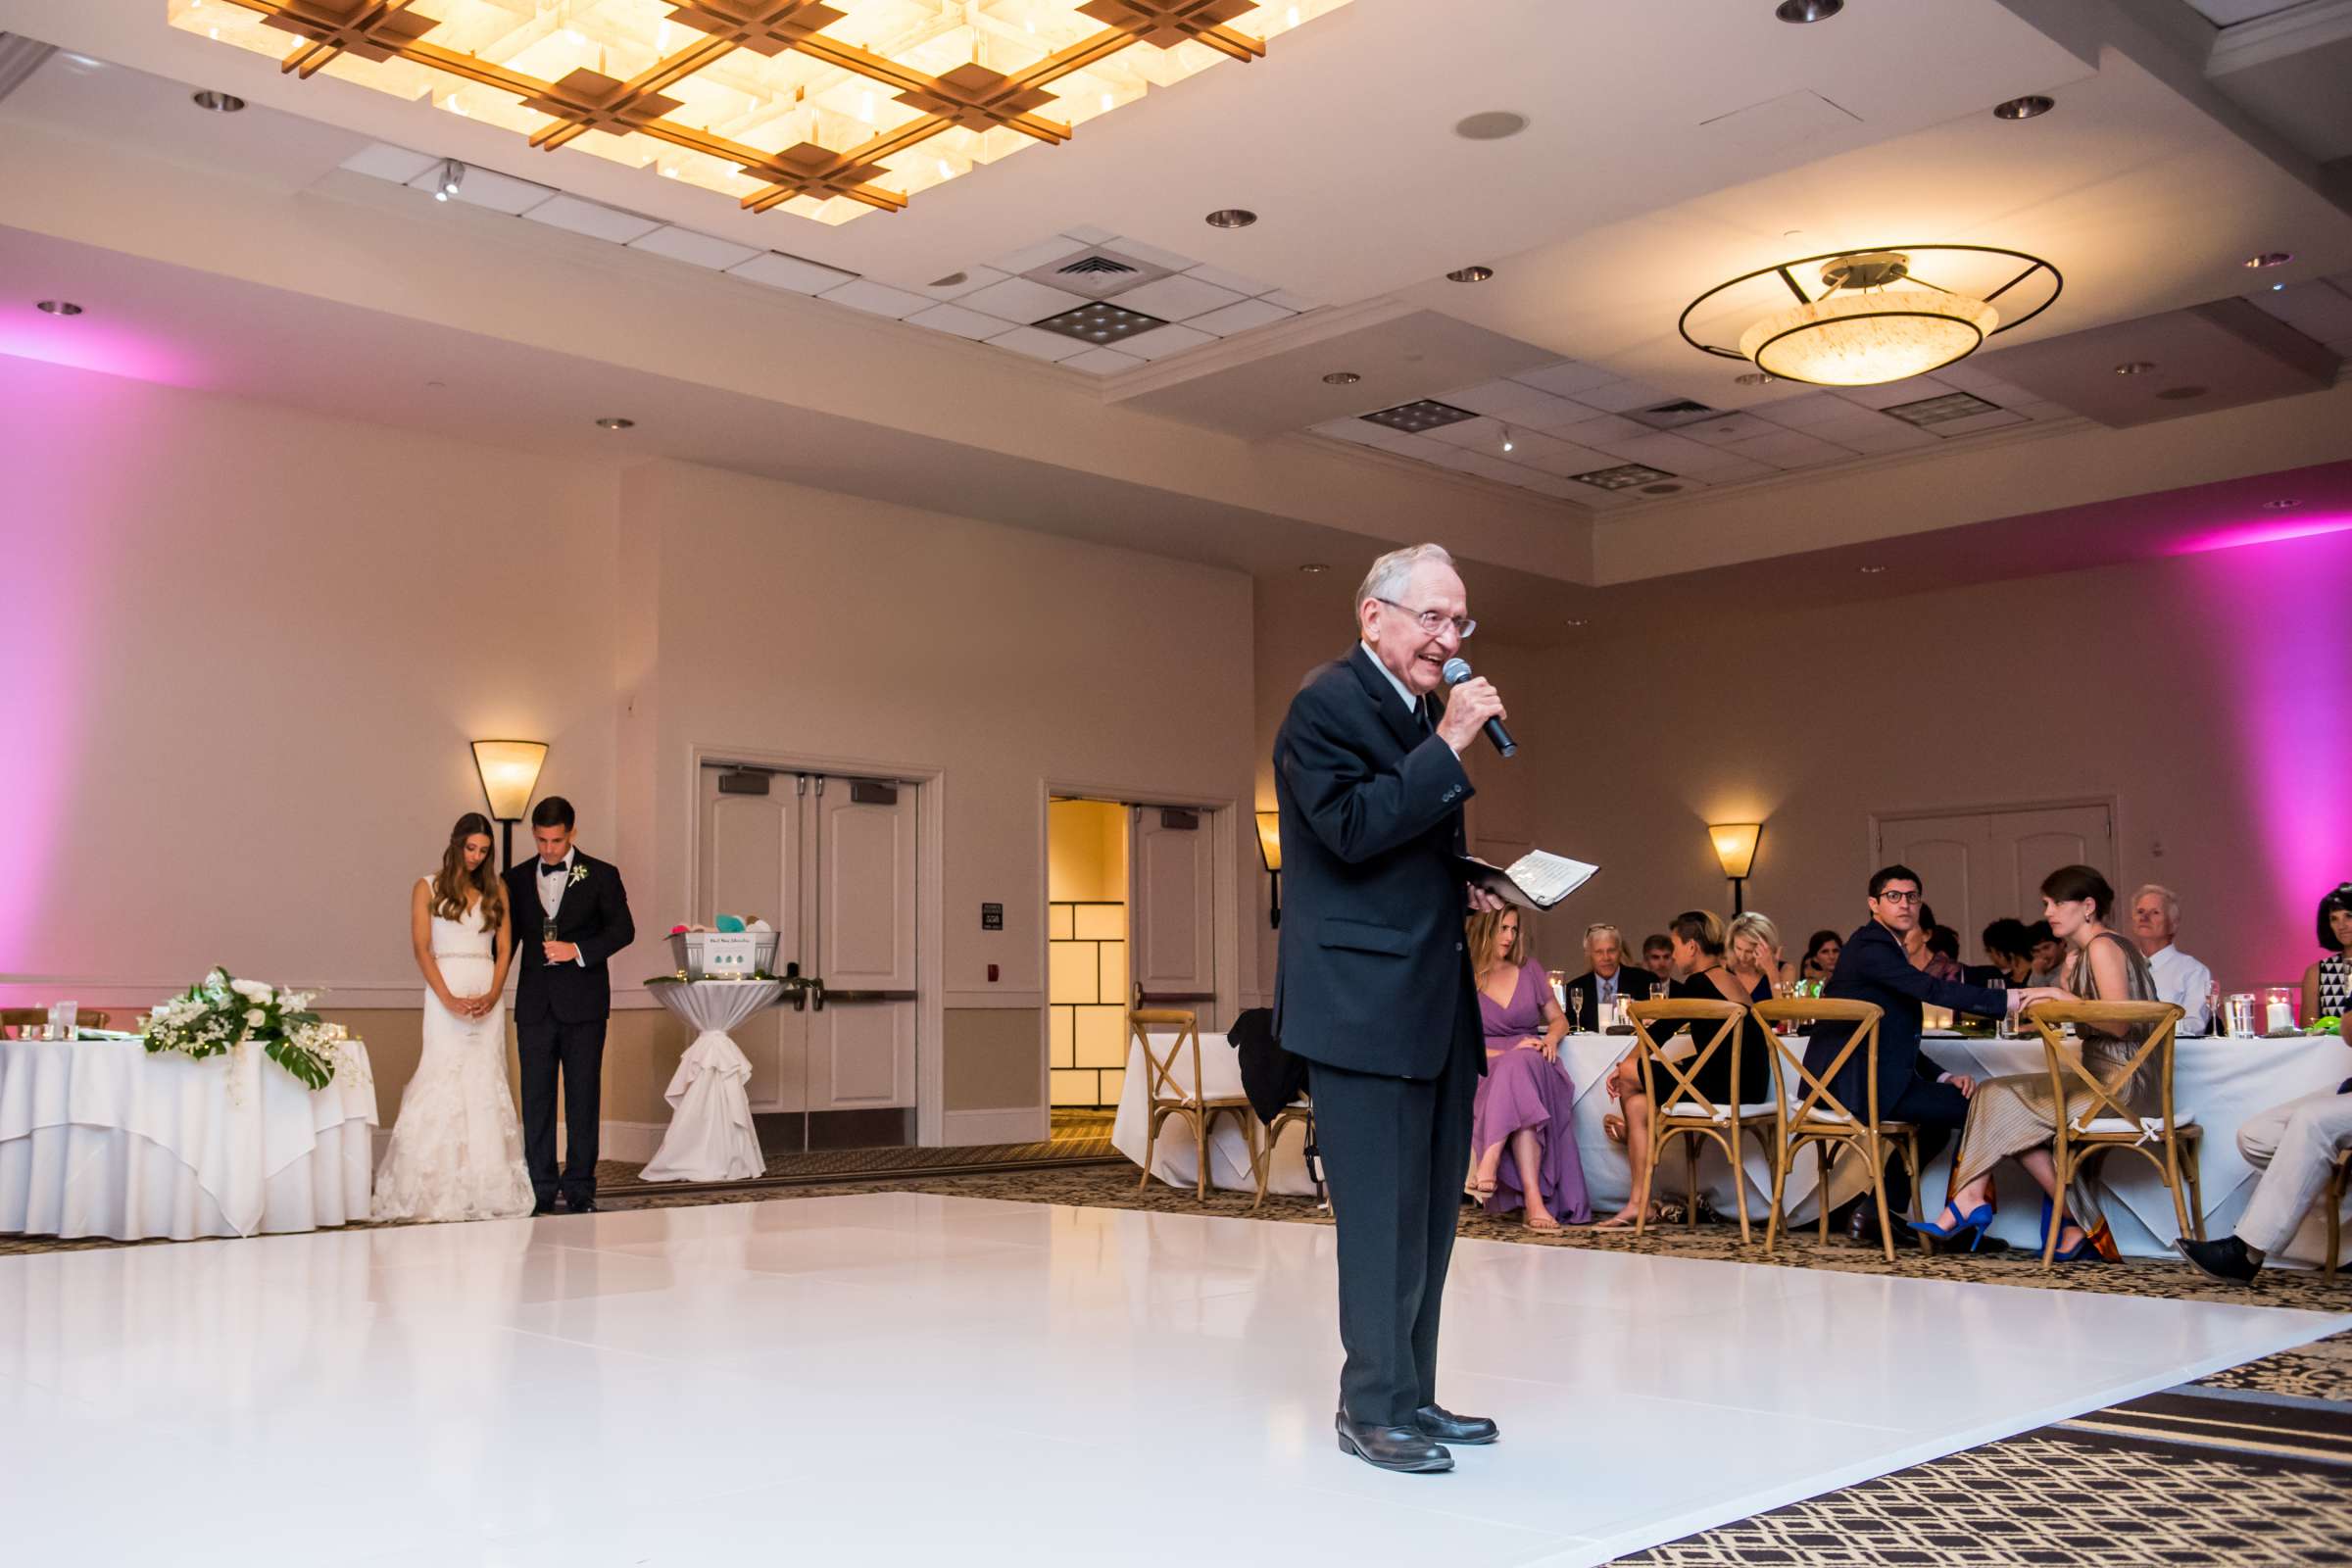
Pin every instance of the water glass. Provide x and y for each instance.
(2001, 1027)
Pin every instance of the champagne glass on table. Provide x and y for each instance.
(1576, 1012)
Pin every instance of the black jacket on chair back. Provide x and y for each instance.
(1373, 976)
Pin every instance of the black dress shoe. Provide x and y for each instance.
(2227, 1260)
(1862, 1226)
(544, 1205)
(1440, 1424)
(584, 1204)
(1392, 1448)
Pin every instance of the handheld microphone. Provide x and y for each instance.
(1457, 670)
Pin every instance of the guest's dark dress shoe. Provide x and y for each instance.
(1862, 1226)
(2227, 1260)
(1440, 1424)
(1392, 1448)
(583, 1204)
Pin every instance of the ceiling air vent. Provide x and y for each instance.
(1095, 272)
(1673, 415)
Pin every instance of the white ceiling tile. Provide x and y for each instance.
(1615, 397)
(1088, 234)
(1722, 468)
(779, 271)
(1595, 429)
(1242, 318)
(958, 320)
(1142, 251)
(2319, 311)
(1038, 345)
(383, 161)
(1292, 300)
(699, 250)
(1545, 484)
(1660, 450)
(1233, 280)
(1162, 341)
(1177, 299)
(1500, 469)
(877, 299)
(967, 281)
(1350, 430)
(487, 188)
(1043, 253)
(1402, 442)
(1806, 408)
(1725, 427)
(1566, 457)
(1448, 456)
(1468, 433)
(1567, 378)
(1887, 396)
(1102, 362)
(1509, 398)
(1017, 299)
(578, 217)
(1790, 449)
(1873, 433)
(1599, 500)
(2043, 412)
(1975, 422)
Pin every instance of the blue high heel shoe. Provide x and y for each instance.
(1978, 1222)
(2074, 1254)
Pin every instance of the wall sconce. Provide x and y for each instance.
(1736, 848)
(509, 771)
(1269, 852)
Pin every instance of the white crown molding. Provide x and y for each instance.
(2292, 31)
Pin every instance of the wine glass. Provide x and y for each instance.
(1576, 1010)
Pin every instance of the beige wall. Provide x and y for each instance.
(2205, 693)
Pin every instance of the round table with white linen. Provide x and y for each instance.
(711, 1136)
(99, 1138)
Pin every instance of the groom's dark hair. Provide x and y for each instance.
(554, 812)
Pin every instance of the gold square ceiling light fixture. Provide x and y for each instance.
(827, 111)
(1873, 315)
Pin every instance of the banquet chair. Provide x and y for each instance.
(1817, 1116)
(17, 1017)
(2337, 1180)
(2105, 1124)
(1261, 1145)
(1681, 1110)
(1165, 1094)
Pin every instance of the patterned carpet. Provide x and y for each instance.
(1076, 1137)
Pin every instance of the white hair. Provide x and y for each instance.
(1602, 928)
(2172, 900)
(1391, 572)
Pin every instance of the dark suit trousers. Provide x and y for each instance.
(1395, 1153)
(1938, 1111)
(575, 1050)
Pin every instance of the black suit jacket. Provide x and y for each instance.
(1632, 984)
(594, 915)
(1872, 967)
(1373, 975)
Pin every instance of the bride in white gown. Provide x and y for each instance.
(457, 1148)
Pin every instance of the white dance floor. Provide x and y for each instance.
(893, 1377)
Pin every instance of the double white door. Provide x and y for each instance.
(1981, 866)
(830, 863)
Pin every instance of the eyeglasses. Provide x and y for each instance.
(1901, 896)
(1433, 622)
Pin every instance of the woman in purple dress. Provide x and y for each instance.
(1525, 1100)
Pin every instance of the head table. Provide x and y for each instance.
(2220, 1081)
(98, 1138)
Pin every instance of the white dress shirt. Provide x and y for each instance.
(1412, 702)
(2186, 983)
(551, 890)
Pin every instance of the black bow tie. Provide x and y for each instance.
(546, 870)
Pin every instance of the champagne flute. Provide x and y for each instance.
(1576, 1012)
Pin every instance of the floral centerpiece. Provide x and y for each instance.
(220, 1013)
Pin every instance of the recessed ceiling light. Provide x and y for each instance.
(2180, 394)
(2270, 258)
(1870, 571)
(1342, 379)
(59, 307)
(614, 423)
(2135, 368)
(220, 103)
(1231, 217)
(1099, 321)
(1470, 274)
(1807, 9)
(1315, 568)
(1423, 414)
(2025, 108)
(1492, 124)
(2280, 506)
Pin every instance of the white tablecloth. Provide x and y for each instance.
(711, 1136)
(1172, 1158)
(98, 1138)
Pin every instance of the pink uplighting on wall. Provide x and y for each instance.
(83, 343)
(2268, 532)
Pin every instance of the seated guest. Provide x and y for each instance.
(1874, 968)
(1820, 957)
(2180, 979)
(1699, 940)
(1525, 1099)
(1752, 952)
(2328, 984)
(2015, 1117)
(2008, 950)
(2048, 955)
(1658, 957)
(1944, 952)
(2294, 1146)
(1604, 980)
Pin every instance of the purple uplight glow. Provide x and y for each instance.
(2268, 532)
(83, 343)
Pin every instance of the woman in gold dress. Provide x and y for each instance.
(2015, 1117)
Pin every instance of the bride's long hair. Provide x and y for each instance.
(450, 889)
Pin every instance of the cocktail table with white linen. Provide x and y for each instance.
(711, 1136)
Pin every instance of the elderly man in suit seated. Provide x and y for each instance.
(1875, 967)
(1594, 993)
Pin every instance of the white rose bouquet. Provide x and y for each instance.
(220, 1013)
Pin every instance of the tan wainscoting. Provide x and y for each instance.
(991, 1061)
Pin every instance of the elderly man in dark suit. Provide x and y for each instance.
(1374, 988)
(1873, 966)
(1608, 979)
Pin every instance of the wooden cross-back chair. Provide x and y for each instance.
(2085, 1136)
(1817, 1116)
(1172, 1087)
(1679, 1110)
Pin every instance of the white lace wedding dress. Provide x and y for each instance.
(457, 1148)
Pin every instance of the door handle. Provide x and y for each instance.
(871, 996)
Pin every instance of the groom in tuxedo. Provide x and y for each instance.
(570, 914)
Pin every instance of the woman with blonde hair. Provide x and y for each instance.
(1752, 946)
(1525, 1102)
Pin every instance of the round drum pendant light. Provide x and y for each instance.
(1874, 319)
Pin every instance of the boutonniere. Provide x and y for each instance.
(579, 874)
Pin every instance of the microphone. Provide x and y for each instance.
(1457, 670)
